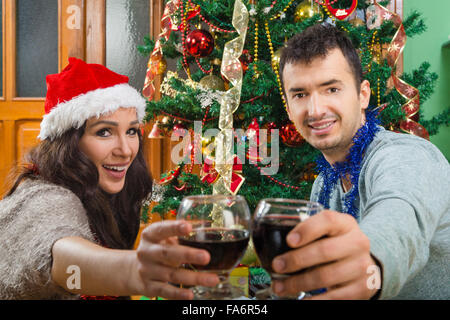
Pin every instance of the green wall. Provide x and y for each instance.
(428, 47)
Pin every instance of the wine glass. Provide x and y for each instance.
(220, 225)
(272, 221)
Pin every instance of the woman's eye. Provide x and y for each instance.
(133, 131)
(104, 132)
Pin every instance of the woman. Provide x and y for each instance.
(68, 224)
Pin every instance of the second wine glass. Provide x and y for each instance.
(272, 221)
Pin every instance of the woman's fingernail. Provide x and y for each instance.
(201, 257)
(187, 295)
(293, 239)
(211, 281)
(184, 227)
(278, 264)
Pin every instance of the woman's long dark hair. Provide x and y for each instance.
(113, 218)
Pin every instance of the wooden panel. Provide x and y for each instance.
(71, 30)
(26, 137)
(156, 12)
(154, 148)
(10, 49)
(2, 148)
(152, 151)
(3, 56)
(3, 172)
(8, 158)
(95, 31)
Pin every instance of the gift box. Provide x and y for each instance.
(239, 277)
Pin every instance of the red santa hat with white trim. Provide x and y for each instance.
(82, 91)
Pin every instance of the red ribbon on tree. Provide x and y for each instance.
(411, 94)
(210, 174)
(155, 58)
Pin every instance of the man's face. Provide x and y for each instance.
(324, 104)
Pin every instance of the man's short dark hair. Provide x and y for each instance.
(316, 41)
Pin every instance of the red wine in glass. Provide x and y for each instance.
(272, 221)
(225, 246)
(269, 238)
(221, 226)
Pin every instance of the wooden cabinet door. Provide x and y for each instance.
(20, 111)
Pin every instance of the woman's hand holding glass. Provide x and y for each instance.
(160, 259)
(221, 225)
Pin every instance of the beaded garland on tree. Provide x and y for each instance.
(352, 166)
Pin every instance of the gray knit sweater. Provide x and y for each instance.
(32, 219)
(404, 204)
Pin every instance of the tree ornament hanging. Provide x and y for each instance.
(290, 136)
(213, 82)
(156, 132)
(357, 22)
(162, 67)
(179, 130)
(245, 59)
(276, 59)
(304, 10)
(341, 14)
(253, 130)
(199, 43)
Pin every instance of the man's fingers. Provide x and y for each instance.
(349, 291)
(320, 252)
(323, 276)
(159, 231)
(325, 223)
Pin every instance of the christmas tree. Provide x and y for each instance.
(226, 76)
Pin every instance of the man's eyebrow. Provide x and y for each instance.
(327, 83)
(112, 123)
(296, 89)
(323, 84)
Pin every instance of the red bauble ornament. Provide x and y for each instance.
(341, 14)
(290, 135)
(271, 126)
(199, 43)
(253, 130)
(179, 130)
(245, 59)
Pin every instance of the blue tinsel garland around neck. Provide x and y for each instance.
(351, 166)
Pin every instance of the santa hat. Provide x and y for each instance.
(82, 91)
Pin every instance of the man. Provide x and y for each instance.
(387, 231)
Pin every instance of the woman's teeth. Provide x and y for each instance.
(115, 168)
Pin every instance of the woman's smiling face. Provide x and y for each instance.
(111, 142)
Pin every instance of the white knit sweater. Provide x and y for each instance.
(32, 219)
